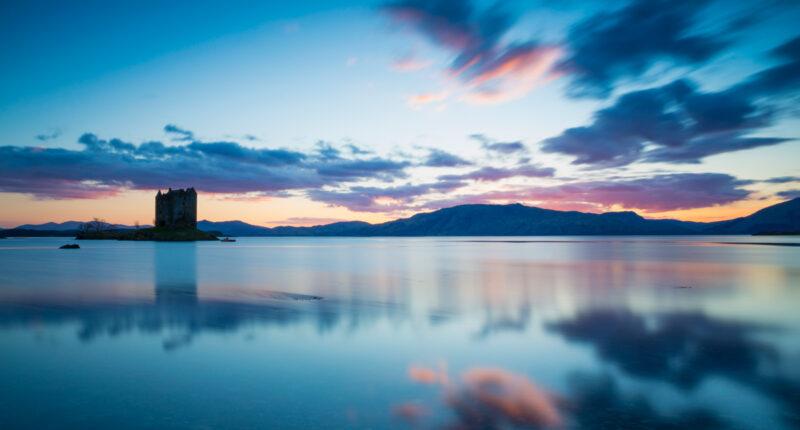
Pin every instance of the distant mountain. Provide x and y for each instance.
(67, 225)
(519, 220)
(781, 217)
(52, 226)
(515, 220)
(239, 228)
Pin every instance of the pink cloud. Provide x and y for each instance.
(426, 98)
(494, 397)
(409, 63)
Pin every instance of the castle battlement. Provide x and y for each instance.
(176, 208)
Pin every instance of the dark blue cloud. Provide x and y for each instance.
(700, 147)
(365, 199)
(505, 147)
(499, 147)
(782, 179)
(789, 194)
(678, 123)
(625, 43)
(778, 79)
(658, 193)
(375, 167)
(326, 151)
(475, 37)
(455, 24)
(180, 133)
(48, 136)
(439, 158)
(105, 167)
(491, 174)
(236, 152)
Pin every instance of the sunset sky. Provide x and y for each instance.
(303, 113)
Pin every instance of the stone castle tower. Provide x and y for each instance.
(176, 208)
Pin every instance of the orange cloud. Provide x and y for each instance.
(424, 375)
(492, 396)
(513, 77)
(502, 395)
(426, 98)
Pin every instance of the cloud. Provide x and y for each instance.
(496, 398)
(659, 193)
(702, 147)
(489, 398)
(789, 194)
(491, 174)
(180, 133)
(483, 61)
(375, 167)
(426, 375)
(439, 158)
(105, 167)
(778, 79)
(663, 192)
(674, 341)
(626, 42)
(426, 98)
(305, 221)
(374, 199)
(505, 147)
(235, 152)
(782, 179)
(44, 137)
(409, 63)
(499, 147)
(679, 123)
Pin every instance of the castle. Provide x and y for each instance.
(176, 208)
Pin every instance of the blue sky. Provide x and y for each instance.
(645, 96)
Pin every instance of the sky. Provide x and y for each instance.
(301, 114)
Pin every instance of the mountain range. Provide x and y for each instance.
(502, 220)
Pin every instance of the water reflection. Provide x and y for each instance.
(597, 402)
(496, 398)
(682, 348)
(565, 335)
(176, 274)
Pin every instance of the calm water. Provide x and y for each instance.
(595, 333)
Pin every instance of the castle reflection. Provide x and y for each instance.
(176, 274)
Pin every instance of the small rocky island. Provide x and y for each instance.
(176, 221)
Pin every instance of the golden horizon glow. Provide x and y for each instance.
(132, 206)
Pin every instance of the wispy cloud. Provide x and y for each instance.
(426, 98)
(626, 42)
(483, 63)
(178, 134)
(44, 137)
(681, 123)
(409, 63)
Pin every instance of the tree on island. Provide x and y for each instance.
(95, 225)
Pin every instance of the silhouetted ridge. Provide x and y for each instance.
(519, 220)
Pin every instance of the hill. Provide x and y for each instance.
(516, 220)
(780, 217)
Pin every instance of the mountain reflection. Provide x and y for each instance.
(179, 312)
